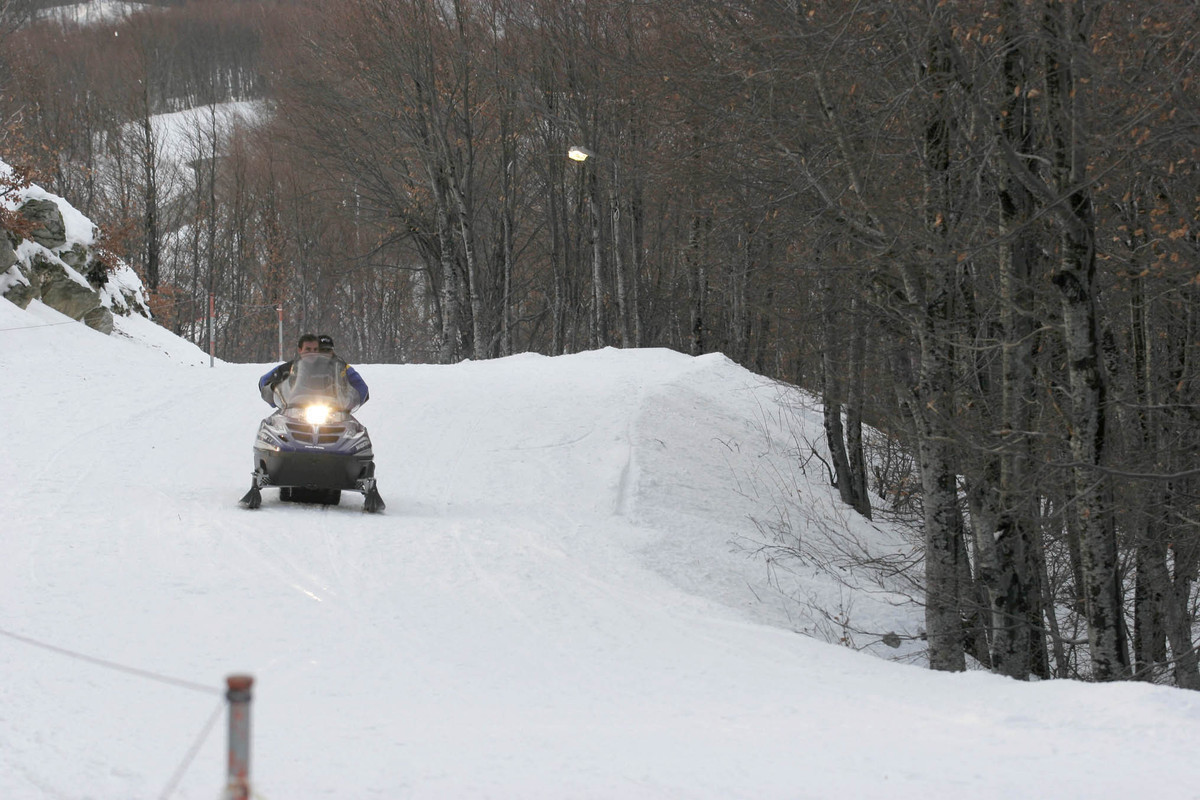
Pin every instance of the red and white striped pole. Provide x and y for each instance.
(237, 786)
(212, 337)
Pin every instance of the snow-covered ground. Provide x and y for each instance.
(561, 600)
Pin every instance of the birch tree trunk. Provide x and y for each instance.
(451, 344)
(474, 288)
(1067, 25)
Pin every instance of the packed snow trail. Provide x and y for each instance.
(552, 605)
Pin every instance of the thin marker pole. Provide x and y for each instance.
(238, 784)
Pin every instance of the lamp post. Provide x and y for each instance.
(582, 154)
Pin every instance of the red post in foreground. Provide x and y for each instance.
(238, 785)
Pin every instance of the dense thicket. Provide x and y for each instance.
(972, 225)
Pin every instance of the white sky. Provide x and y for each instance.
(561, 600)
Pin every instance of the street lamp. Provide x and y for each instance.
(577, 153)
(582, 154)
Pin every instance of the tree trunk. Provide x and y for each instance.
(848, 464)
(614, 201)
(149, 157)
(855, 398)
(943, 540)
(474, 287)
(1092, 501)
(931, 292)
(697, 275)
(598, 336)
(1179, 616)
(1016, 600)
(451, 345)
(636, 246)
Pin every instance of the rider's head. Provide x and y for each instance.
(308, 344)
(325, 343)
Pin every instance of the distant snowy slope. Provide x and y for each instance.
(561, 600)
(187, 135)
(94, 12)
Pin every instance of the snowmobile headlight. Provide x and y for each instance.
(316, 414)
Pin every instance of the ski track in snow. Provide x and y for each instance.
(552, 605)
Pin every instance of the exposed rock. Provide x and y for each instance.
(8, 255)
(74, 278)
(96, 272)
(49, 230)
(60, 291)
(20, 293)
(99, 318)
(76, 256)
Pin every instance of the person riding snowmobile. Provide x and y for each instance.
(308, 343)
(312, 447)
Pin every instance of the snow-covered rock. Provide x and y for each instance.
(57, 261)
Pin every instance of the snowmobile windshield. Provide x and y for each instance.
(317, 379)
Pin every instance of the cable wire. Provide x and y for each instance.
(141, 673)
(44, 325)
(193, 751)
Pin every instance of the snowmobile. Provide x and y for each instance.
(312, 447)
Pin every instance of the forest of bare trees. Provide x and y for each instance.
(972, 226)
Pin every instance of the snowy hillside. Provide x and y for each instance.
(93, 12)
(562, 599)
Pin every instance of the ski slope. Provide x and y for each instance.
(562, 600)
